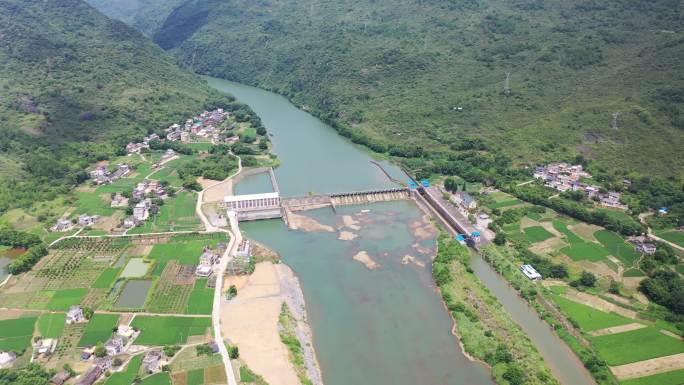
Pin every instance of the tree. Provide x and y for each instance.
(450, 184)
(232, 291)
(100, 350)
(233, 352)
(514, 375)
(586, 279)
(500, 238)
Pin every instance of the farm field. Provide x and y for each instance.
(536, 234)
(107, 278)
(562, 227)
(619, 348)
(51, 325)
(99, 329)
(588, 318)
(15, 334)
(63, 299)
(177, 214)
(127, 376)
(674, 236)
(196, 377)
(160, 330)
(156, 379)
(201, 298)
(586, 251)
(184, 250)
(675, 377)
(617, 246)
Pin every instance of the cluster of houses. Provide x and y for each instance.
(85, 220)
(565, 177)
(149, 189)
(141, 211)
(204, 125)
(101, 174)
(136, 148)
(208, 259)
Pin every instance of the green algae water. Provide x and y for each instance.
(385, 326)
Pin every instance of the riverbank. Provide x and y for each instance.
(485, 330)
(251, 322)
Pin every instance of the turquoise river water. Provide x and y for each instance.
(385, 326)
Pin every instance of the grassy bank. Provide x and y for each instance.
(485, 329)
(287, 325)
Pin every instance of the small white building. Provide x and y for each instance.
(203, 271)
(130, 222)
(45, 346)
(244, 250)
(75, 315)
(152, 361)
(141, 212)
(62, 224)
(7, 359)
(115, 345)
(530, 272)
(86, 220)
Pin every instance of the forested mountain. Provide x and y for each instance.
(72, 83)
(145, 15)
(537, 79)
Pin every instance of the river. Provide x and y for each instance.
(382, 326)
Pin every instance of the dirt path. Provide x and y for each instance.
(598, 303)
(649, 367)
(617, 329)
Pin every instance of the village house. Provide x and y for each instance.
(561, 176)
(126, 332)
(90, 376)
(203, 271)
(122, 170)
(244, 250)
(7, 359)
(119, 201)
(75, 315)
(646, 248)
(184, 137)
(130, 222)
(60, 378)
(152, 361)
(62, 224)
(169, 154)
(173, 136)
(86, 220)
(136, 148)
(232, 139)
(115, 345)
(45, 346)
(141, 211)
(612, 199)
(209, 257)
(530, 272)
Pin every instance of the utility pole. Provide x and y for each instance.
(615, 120)
(507, 84)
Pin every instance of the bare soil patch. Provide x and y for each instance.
(218, 191)
(585, 231)
(347, 236)
(617, 329)
(649, 367)
(598, 303)
(411, 259)
(308, 224)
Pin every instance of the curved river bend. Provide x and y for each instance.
(385, 326)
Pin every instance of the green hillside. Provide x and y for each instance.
(145, 15)
(396, 73)
(74, 86)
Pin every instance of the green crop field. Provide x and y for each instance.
(127, 376)
(185, 252)
(674, 236)
(586, 251)
(506, 203)
(51, 325)
(571, 237)
(588, 318)
(177, 214)
(15, 334)
(675, 377)
(63, 299)
(633, 273)
(201, 298)
(620, 348)
(196, 377)
(536, 234)
(99, 329)
(107, 278)
(617, 246)
(160, 330)
(156, 379)
(91, 203)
